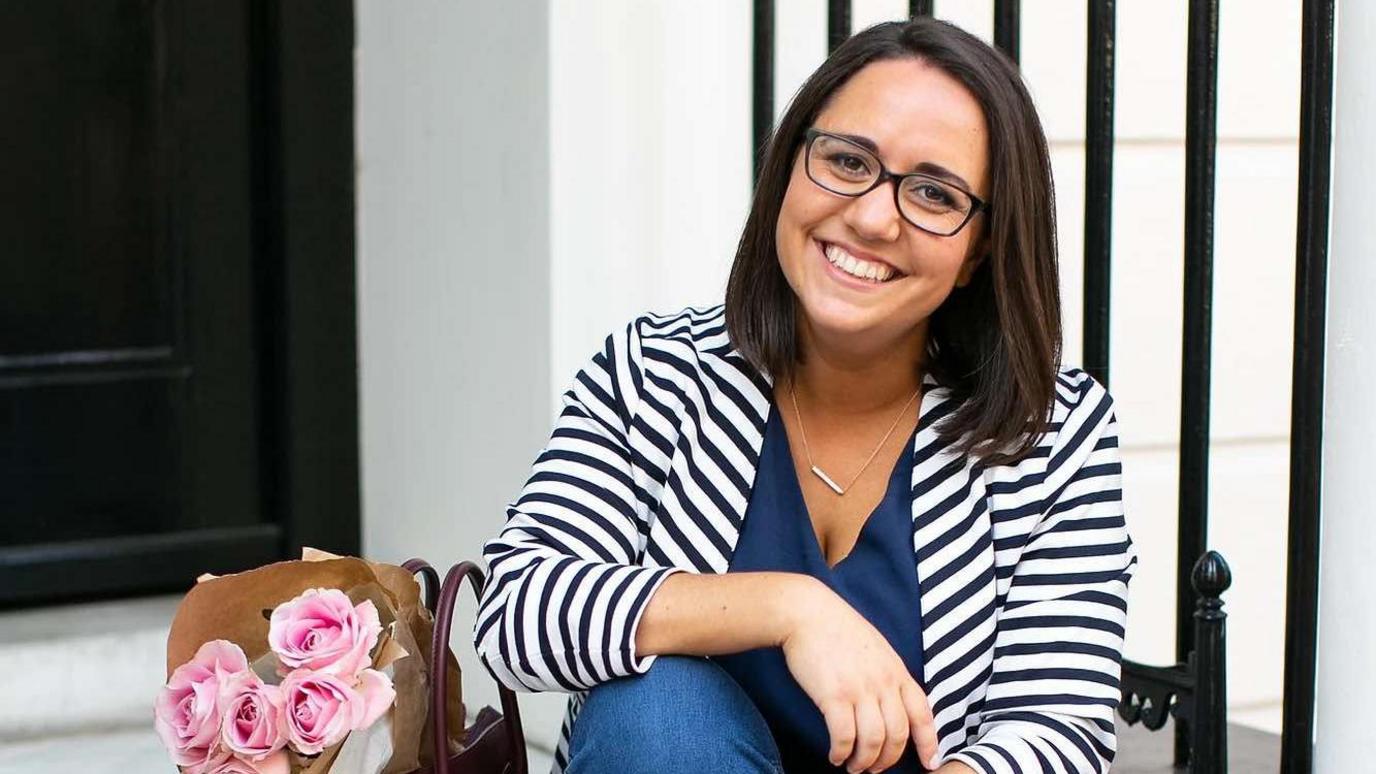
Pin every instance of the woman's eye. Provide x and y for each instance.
(850, 164)
(929, 193)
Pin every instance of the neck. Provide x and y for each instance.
(858, 374)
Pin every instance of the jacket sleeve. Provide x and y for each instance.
(565, 593)
(1058, 645)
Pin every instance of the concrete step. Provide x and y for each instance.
(75, 669)
(111, 752)
(121, 752)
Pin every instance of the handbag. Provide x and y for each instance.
(494, 744)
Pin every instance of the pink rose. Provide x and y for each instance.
(186, 712)
(277, 763)
(323, 631)
(254, 725)
(321, 708)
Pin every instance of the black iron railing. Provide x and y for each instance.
(1201, 99)
(762, 76)
(1306, 390)
(1099, 79)
(1192, 691)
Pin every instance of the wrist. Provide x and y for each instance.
(799, 598)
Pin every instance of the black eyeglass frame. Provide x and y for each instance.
(977, 205)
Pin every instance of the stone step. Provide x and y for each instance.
(121, 752)
(83, 668)
(111, 752)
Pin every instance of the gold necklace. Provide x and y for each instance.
(818, 471)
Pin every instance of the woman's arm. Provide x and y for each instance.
(709, 615)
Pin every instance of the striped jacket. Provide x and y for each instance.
(1023, 568)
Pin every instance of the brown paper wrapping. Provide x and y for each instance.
(236, 608)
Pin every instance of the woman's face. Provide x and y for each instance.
(915, 114)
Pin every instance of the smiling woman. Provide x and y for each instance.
(921, 97)
(833, 577)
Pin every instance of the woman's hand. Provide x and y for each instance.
(871, 704)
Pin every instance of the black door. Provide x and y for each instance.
(176, 352)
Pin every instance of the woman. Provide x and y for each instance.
(858, 515)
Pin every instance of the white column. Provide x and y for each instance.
(453, 286)
(1347, 596)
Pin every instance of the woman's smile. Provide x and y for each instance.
(852, 271)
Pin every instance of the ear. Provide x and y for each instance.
(973, 260)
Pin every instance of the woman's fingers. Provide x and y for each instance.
(922, 724)
(896, 729)
(840, 718)
(869, 735)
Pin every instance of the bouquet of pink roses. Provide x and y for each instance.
(308, 666)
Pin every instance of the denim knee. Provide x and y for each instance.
(685, 714)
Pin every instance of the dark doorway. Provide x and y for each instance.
(177, 338)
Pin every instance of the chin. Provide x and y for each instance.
(839, 315)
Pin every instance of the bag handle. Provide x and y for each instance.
(442, 605)
(430, 588)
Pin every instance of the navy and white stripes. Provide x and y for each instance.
(1023, 568)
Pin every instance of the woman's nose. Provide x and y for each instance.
(874, 215)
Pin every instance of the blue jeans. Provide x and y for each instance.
(685, 715)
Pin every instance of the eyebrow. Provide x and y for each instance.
(925, 167)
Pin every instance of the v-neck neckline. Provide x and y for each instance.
(796, 486)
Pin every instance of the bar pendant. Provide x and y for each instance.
(835, 488)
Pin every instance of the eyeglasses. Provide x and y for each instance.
(930, 203)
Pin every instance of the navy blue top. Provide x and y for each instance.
(878, 578)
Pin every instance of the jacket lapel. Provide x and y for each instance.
(742, 392)
(955, 565)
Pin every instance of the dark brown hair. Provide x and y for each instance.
(996, 342)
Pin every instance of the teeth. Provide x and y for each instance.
(876, 272)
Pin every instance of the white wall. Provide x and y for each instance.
(453, 276)
(1347, 583)
(638, 114)
(649, 162)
